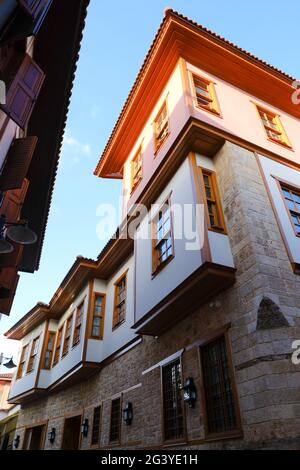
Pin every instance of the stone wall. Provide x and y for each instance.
(268, 383)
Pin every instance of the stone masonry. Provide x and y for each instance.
(268, 383)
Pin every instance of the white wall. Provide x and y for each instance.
(150, 291)
(74, 356)
(218, 242)
(272, 168)
(178, 115)
(27, 382)
(113, 340)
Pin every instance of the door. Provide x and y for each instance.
(71, 435)
(34, 438)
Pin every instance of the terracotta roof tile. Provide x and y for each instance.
(170, 11)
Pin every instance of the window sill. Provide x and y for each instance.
(161, 266)
(159, 146)
(282, 144)
(135, 186)
(173, 443)
(237, 434)
(117, 325)
(211, 111)
(218, 230)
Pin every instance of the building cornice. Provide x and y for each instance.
(179, 37)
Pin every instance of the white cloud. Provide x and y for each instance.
(76, 146)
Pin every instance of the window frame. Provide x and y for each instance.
(279, 129)
(67, 339)
(156, 265)
(214, 106)
(134, 183)
(58, 336)
(182, 439)
(119, 424)
(97, 444)
(32, 357)
(159, 143)
(115, 321)
(238, 431)
(293, 188)
(79, 313)
(22, 363)
(92, 315)
(48, 334)
(216, 200)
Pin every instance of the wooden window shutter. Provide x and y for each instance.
(8, 281)
(14, 258)
(13, 201)
(23, 92)
(17, 163)
(32, 7)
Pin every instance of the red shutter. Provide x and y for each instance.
(17, 163)
(12, 203)
(24, 91)
(8, 280)
(32, 7)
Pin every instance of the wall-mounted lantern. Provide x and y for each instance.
(128, 413)
(189, 392)
(16, 441)
(85, 427)
(52, 435)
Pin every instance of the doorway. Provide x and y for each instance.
(71, 435)
(34, 438)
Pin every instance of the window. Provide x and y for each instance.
(212, 200)
(21, 368)
(292, 202)
(273, 127)
(162, 237)
(96, 426)
(33, 354)
(115, 420)
(172, 401)
(68, 332)
(161, 126)
(136, 169)
(24, 91)
(220, 406)
(204, 94)
(78, 323)
(49, 350)
(120, 301)
(58, 345)
(98, 316)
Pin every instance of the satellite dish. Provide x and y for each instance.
(21, 234)
(5, 246)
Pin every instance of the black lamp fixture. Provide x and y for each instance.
(16, 441)
(10, 364)
(189, 392)
(85, 427)
(51, 435)
(128, 413)
(18, 232)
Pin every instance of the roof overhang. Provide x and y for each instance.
(178, 37)
(56, 51)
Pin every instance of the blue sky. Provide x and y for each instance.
(116, 39)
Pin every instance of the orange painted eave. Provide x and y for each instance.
(180, 37)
